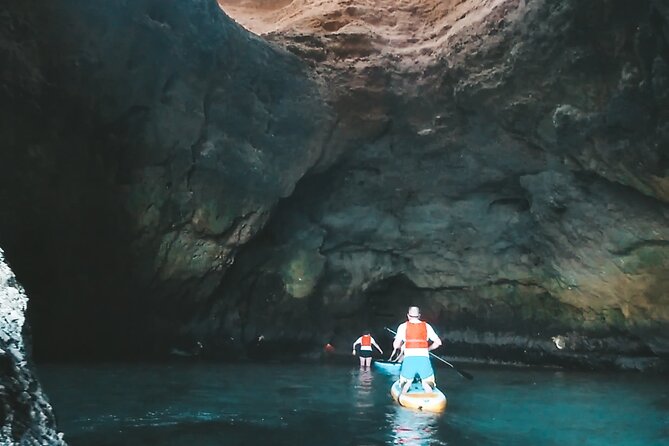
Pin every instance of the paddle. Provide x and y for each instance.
(460, 372)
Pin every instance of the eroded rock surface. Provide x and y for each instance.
(501, 163)
(150, 140)
(508, 172)
(26, 417)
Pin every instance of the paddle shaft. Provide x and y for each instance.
(460, 372)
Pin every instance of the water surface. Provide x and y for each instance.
(327, 405)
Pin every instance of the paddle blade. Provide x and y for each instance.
(465, 374)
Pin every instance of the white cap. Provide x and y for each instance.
(414, 312)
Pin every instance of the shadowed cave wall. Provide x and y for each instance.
(144, 143)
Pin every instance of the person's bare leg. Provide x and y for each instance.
(405, 386)
(362, 362)
(401, 384)
(428, 384)
(368, 362)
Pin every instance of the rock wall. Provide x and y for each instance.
(26, 417)
(167, 176)
(145, 142)
(505, 168)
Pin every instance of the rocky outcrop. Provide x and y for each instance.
(26, 417)
(508, 173)
(150, 140)
(501, 163)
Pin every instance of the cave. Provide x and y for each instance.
(258, 178)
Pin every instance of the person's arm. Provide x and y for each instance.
(432, 336)
(399, 336)
(376, 345)
(357, 341)
(400, 354)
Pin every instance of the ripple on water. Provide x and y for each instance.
(209, 404)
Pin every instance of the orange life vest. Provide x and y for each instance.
(416, 335)
(366, 341)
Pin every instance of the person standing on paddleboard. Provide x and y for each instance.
(415, 335)
(366, 341)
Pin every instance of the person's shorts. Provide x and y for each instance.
(365, 353)
(416, 365)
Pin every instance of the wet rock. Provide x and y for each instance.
(27, 417)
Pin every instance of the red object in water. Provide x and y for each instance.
(329, 348)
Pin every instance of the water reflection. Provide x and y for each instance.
(293, 404)
(362, 385)
(413, 428)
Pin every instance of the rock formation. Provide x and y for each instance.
(502, 163)
(26, 417)
(505, 166)
(149, 140)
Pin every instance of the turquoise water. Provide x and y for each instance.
(323, 405)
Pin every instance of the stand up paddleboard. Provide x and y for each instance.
(389, 367)
(417, 398)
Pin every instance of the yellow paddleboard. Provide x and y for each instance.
(417, 398)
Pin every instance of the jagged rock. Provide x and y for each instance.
(26, 417)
